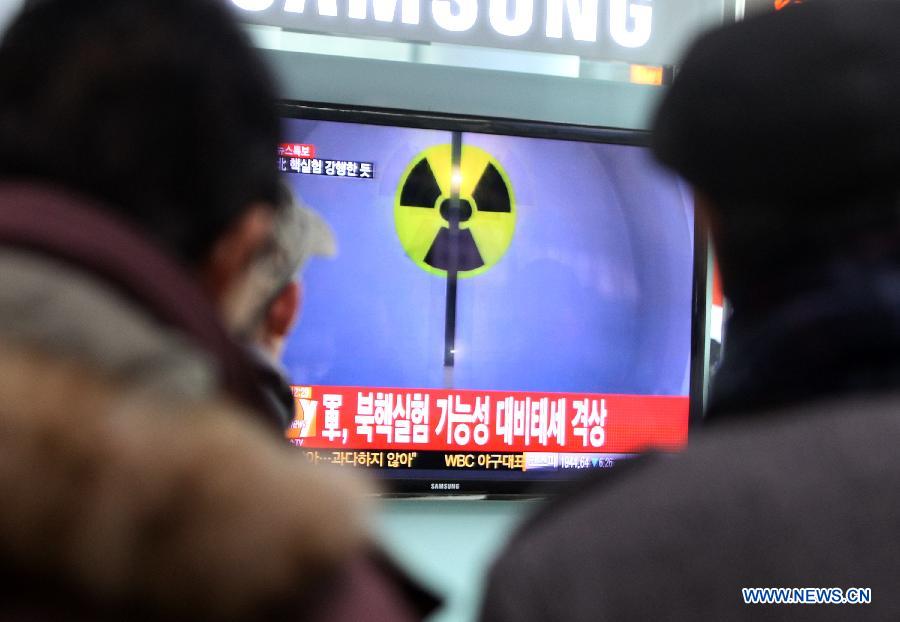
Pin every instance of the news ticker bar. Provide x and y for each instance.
(371, 418)
(444, 460)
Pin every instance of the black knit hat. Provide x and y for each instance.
(801, 106)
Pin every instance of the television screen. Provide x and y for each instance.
(511, 303)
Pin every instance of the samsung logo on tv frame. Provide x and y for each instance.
(629, 23)
(444, 486)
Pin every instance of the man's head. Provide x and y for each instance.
(159, 109)
(788, 125)
(262, 309)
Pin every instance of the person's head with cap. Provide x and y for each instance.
(264, 309)
(788, 126)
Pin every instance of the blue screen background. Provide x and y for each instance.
(593, 295)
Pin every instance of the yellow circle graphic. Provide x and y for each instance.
(487, 211)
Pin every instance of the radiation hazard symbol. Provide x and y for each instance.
(487, 213)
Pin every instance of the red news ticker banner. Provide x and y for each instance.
(329, 417)
(297, 150)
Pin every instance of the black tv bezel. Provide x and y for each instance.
(418, 486)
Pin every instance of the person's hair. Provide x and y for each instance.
(788, 124)
(159, 109)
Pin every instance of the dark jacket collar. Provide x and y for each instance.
(82, 234)
(840, 337)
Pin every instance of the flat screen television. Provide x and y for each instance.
(512, 303)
